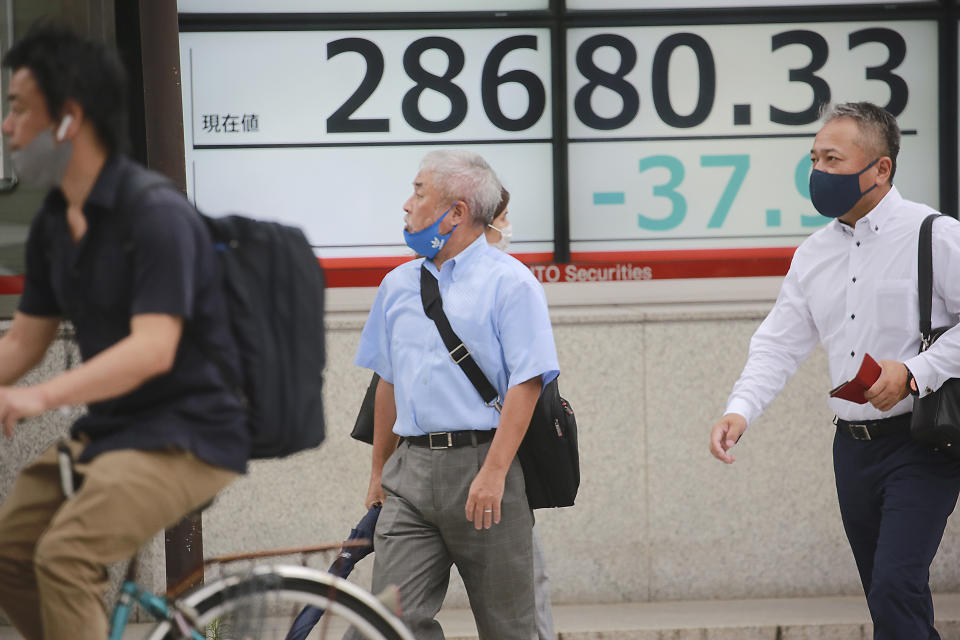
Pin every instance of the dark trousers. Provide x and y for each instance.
(895, 497)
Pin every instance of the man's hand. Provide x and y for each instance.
(725, 434)
(483, 501)
(890, 388)
(375, 492)
(384, 440)
(486, 490)
(17, 403)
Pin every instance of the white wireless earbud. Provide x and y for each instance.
(64, 125)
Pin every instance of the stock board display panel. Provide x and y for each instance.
(698, 137)
(686, 147)
(325, 129)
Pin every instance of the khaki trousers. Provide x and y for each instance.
(54, 552)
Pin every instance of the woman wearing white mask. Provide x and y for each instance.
(500, 231)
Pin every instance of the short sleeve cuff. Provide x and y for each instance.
(38, 300)
(32, 308)
(546, 372)
(370, 358)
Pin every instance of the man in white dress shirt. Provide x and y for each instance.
(852, 286)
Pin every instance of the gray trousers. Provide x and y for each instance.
(541, 588)
(422, 531)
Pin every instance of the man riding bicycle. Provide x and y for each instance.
(163, 433)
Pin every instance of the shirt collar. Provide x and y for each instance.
(879, 217)
(103, 195)
(461, 261)
(107, 187)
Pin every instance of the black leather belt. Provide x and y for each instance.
(871, 429)
(451, 439)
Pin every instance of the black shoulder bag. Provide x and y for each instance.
(363, 427)
(936, 416)
(548, 453)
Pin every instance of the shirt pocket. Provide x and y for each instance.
(896, 305)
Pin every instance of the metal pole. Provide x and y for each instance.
(163, 110)
(7, 180)
(159, 52)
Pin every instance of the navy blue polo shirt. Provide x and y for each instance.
(156, 259)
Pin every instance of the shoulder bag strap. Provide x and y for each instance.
(925, 277)
(433, 307)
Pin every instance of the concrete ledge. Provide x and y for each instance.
(834, 618)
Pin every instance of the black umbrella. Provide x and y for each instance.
(341, 567)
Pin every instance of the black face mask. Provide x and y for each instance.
(834, 194)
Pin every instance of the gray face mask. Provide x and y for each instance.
(43, 162)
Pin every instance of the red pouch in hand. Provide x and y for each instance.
(852, 390)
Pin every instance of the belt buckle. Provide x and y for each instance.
(442, 445)
(859, 431)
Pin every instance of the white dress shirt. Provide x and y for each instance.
(855, 291)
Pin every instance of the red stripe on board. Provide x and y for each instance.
(664, 265)
(632, 270)
(359, 272)
(11, 285)
(585, 266)
(599, 266)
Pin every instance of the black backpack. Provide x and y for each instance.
(274, 289)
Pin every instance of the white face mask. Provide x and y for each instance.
(506, 233)
(43, 162)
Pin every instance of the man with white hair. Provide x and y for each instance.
(453, 491)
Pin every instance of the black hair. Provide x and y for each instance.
(504, 201)
(879, 125)
(68, 67)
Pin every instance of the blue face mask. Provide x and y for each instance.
(428, 241)
(834, 194)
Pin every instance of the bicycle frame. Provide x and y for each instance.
(169, 607)
(156, 606)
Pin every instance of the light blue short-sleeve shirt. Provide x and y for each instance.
(496, 307)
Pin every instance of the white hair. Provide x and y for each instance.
(463, 175)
